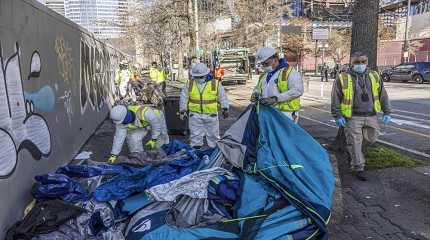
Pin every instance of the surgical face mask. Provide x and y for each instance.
(360, 68)
(267, 68)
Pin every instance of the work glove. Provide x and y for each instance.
(112, 158)
(341, 122)
(225, 113)
(270, 101)
(151, 144)
(255, 96)
(386, 119)
(182, 115)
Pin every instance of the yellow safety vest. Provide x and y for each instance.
(292, 105)
(157, 75)
(348, 93)
(205, 102)
(139, 112)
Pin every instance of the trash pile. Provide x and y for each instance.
(267, 179)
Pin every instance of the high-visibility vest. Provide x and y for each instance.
(205, 102)
(122, 76)
(139, 112)
(348, 93)
(157, 75)
(292, 105)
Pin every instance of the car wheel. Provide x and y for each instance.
(418, 79)
(385, 78)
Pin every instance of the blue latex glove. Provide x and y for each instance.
(341, 122)
(386, 119)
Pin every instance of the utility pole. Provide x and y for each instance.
(196, 23)
(406, 42)
(316, 59)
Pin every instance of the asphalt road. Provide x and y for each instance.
(410, 127)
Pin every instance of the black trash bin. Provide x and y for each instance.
(175, 125)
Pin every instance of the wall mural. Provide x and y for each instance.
(20, 126)
(98, 66)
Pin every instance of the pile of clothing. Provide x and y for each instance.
(256, 184)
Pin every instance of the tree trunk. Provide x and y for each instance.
(365, 30)
(191, 32)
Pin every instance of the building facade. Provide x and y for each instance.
(105, 18)
(56, 5)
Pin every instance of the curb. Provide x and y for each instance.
(337, 212)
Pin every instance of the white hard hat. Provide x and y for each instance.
(118, 113)
(264, 53)
(199, 70)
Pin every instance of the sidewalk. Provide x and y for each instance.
(393, 204)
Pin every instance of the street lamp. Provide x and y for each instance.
(323, 47)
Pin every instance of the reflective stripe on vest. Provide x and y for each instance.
(205, 102)
(139, 112)
(282, 83)
(348, 93)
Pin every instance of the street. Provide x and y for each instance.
(410, 127)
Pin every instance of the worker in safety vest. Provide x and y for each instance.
(122, 77)
(200, 98)
(280, 85)
(357, 97)
(158, 75)
(133, 122)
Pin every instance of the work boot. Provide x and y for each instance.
(361, 175)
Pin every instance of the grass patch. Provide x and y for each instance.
(378, 157)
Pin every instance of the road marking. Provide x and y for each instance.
(393, 127)
(415, 113)
(410, 123)
(422, 154)
(411, 118)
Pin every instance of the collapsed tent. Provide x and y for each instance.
(286, 186)
(267, 179)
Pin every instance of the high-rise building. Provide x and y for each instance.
(105, 18)
(56, 5)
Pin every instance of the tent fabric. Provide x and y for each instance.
(58, 186)
(296, 164)
(45, 217)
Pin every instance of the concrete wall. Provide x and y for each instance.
(56, 86)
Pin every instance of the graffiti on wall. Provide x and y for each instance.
(65, 69)
(98, 65)
(20, 126)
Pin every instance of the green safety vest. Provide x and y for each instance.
(205, 102)
(348, 93)
(292, 105)
(139, 112)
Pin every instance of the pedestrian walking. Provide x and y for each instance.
(280, 85)
(357, 97)
(199, 99)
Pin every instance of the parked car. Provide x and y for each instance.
(417, 72)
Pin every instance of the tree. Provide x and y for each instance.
(258, 20)
(339, 44)
(365, 29)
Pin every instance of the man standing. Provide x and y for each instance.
(158, 75)
(357, 97)
(122, 78)
(200, 98)
(280, 85)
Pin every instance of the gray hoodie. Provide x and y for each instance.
(361, 84)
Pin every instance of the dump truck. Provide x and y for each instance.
(233, 66)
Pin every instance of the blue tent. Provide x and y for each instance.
(286, 185)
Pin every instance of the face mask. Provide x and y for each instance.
(360, 68)
(267, 69)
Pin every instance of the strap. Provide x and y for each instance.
(286, 73)
(198, 101)
(344, 78)
(213, 84)
(190, 85)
